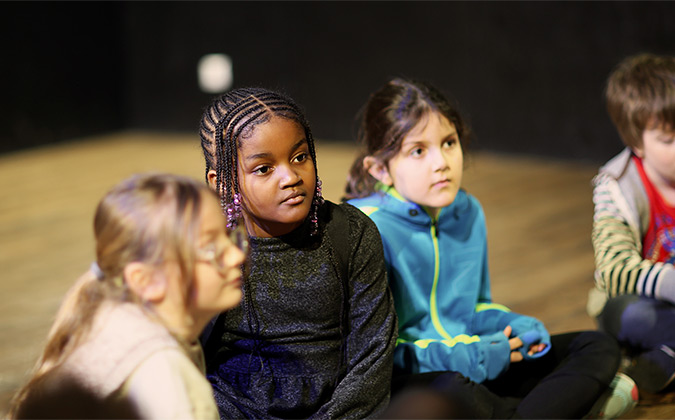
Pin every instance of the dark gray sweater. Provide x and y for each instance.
(284, 352)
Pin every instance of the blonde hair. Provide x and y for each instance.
(641, 91)
(145, 218)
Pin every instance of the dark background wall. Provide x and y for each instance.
(529, 75)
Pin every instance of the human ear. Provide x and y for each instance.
(144, 282)
(639, 151)
(212, 177)
(378, 170)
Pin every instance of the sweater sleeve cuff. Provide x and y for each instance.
(666, 287)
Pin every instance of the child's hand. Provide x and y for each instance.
(515, 343)
(536, 348)
(532, 345)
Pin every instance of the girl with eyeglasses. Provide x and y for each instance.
(125, 340)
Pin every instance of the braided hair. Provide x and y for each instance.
(233, 117)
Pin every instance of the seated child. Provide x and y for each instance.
(315, 333)
(125, 339)
(408, 181)
(634, 221)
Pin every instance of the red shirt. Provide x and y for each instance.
(658, 243)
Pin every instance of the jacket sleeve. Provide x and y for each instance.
(363, 390)
(495, 317)
(478, 357)
(620, 267)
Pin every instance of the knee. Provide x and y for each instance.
(631, 320)
(600, 343)
(599, 354)
(598, 349)
(610, 320)
(637, 317)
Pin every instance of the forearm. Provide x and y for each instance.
(479, 358)
(620, 267)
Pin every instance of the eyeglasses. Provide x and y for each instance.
(213, 253)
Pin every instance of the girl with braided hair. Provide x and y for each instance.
(315, 333)
(125, 340)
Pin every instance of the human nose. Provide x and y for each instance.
(440, 162)
(289, 176)
(233, 257)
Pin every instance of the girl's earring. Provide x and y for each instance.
(316, 203)
(232, 210)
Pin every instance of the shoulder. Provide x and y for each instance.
(355, 214)
(356, 220)
(620, 179)
(350, 229)
(464, 218)
(125, 328)
(472, 202)
(370, 204)
(122, 337)
(465, 205)
(617, 166)
(146, 328)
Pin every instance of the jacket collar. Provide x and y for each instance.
(393, 202)
(618, 165)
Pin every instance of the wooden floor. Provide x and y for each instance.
(538, 212)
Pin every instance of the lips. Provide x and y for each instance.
(294, 198)
(235, 279)
(235, 282)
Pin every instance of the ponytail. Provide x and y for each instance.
(71, 326)
(144, 218)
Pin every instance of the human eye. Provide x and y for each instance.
(451, 142)
(262, 169)
(208, 253)
(212, 254)
(301, 157)
(667, 139)
(416, 152)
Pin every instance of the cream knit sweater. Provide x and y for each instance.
(132, 357)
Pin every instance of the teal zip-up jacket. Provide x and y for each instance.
(438, 272)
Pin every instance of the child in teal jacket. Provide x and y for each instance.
(446, 324)
(408, 181)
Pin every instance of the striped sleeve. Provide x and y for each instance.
(620, 268)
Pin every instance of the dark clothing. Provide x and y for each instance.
(564, 383)
(644, 326)
(295, 347)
